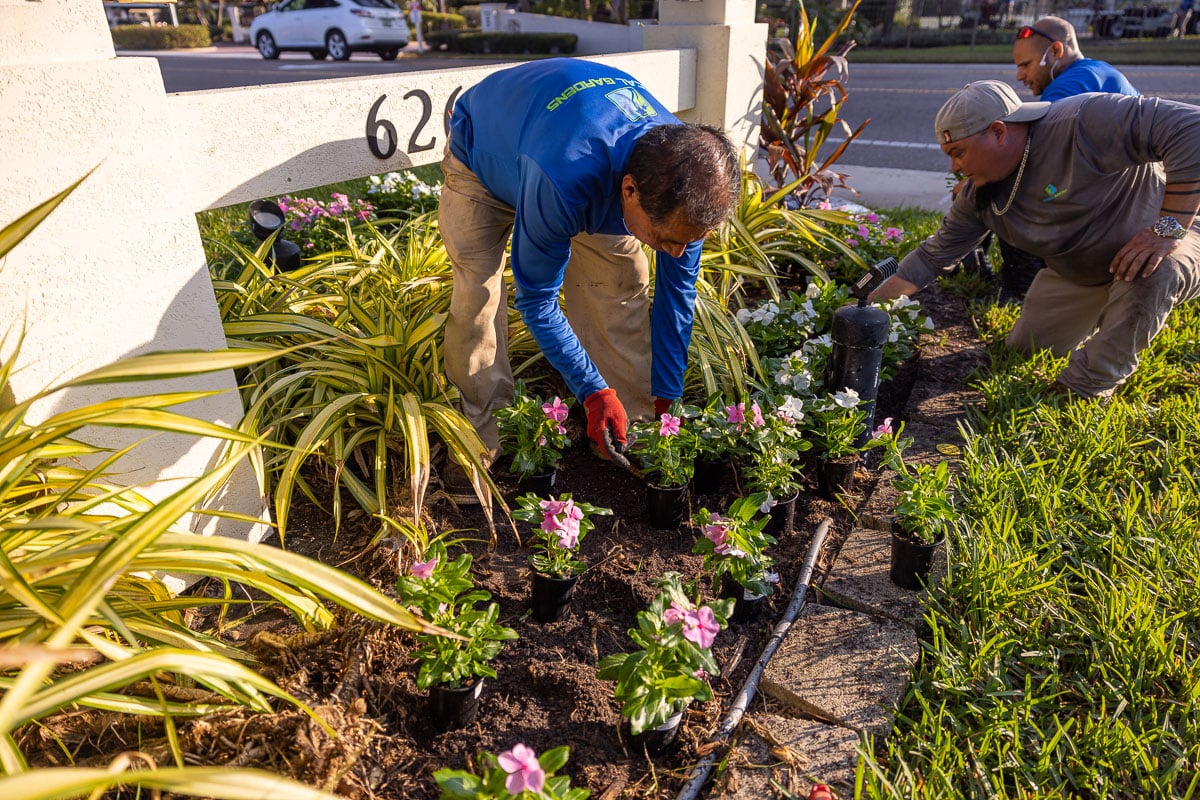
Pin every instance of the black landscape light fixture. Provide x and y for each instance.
(266, 219)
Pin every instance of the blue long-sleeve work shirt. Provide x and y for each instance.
(551, 139)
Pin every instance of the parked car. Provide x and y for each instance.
(333, 28)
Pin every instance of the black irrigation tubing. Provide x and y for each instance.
(700, 773)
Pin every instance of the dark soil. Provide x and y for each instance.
(360, 680)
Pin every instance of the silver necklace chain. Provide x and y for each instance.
(1016, 184)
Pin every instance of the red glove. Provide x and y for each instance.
(661, 406)
(604, 410)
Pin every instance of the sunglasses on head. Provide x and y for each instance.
(1028, 32)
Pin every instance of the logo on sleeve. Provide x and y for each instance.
(632, 103)
(1053, 193)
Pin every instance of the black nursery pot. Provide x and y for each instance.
(551, 598)
(746, 606)
(709, 474)
(837, 476)
(659, 740)
(454, 708)
(912, 560)
(666, 505)
(783, 517)
(542, 484)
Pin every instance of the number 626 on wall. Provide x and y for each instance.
(382, 138)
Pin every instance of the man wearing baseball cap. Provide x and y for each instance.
(1105, 188)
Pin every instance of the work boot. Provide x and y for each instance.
(456, 484)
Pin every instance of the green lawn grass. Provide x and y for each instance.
(1115, 51)
(1061, 660)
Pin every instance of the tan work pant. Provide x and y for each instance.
(606, 291)
(1113, 322)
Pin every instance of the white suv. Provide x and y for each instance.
(334, 28)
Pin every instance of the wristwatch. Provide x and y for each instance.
(1169, 228)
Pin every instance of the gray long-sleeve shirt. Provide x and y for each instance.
(1094, 177)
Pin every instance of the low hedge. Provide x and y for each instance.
(160, 37)
(505, 43)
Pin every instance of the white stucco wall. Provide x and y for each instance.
(118, 268)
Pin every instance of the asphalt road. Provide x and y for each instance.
(899, 99)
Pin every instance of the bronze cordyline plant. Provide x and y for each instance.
(798, 80)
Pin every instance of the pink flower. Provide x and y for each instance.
(757, 420)
(893, 233)
(555, 410)
(872, 218)
(718, 534)
(670, 425)
(883, 430)
(699, 625)
(864, 232)
(701, 674)
(824, 205)
(850, 240)
(568, 535)
(735, 415)
(552, 508)
(423, 569)
(524, 772)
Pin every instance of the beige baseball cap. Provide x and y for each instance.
(979, 104)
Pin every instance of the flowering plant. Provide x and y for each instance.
(563, 524)
(324, 226)
(908, 322)
(872, 238)
(835, 424)
(532, 432)
(776, 443)
(403, 192)
(720, 429)
(674, 660)
(735, 545)
(925, 507)
(516, 774)
(447, 597)
(667, 448)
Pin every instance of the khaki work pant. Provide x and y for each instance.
(606, 292)
(1113, 322)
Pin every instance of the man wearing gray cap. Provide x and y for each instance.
(1081, 184)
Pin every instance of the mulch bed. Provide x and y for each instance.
(360, 680)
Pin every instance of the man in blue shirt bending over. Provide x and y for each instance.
(579, 165)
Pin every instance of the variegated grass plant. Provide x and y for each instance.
(359, 373)
(87, 622)
(1062, 660)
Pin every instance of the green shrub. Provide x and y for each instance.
(160, 37)
(472, 15)
(499, 42)
(432, 22)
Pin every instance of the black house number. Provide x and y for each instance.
(382, 139)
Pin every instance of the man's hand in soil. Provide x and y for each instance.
(604, 410)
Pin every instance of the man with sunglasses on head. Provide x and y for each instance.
(1050, 63)
(1105, 188)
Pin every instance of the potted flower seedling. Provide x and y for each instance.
(836, 425)
(533, 433)
(734, 546)
(516, 774)
(720, 429)
(667, 452)
(452, 669)
(776, 442)
(561, 526)
(672, 664)
(924, 513)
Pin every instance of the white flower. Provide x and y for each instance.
(743, 315)
(822, 342)
(767, 504)
(893, 336)
(927, 324)
(791, 409)
(771, 576)
(812, 290)
(783, 377)
(847, 399)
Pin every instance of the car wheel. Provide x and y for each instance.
(338, 47)
(318, 54)
(266, 46)
(389, 54)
